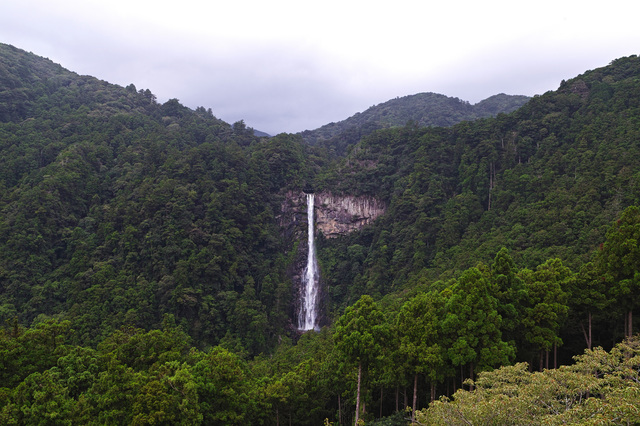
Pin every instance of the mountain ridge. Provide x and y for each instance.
(421, 109)
(424, 109)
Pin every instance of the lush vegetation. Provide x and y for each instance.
(600, 388)
(144, 277)
(422, 109)
(117, 210)
(545, 182)
(380, 357)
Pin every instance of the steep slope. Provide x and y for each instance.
(423, 109)
(544, 181)
(116, 210)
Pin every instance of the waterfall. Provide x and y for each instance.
(308, 314)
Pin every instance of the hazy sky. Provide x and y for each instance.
(293, 65)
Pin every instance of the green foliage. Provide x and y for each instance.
(25, 352)
(168, 397)
(510, 292)
(117, 210)
(360, 335)
(140, 350)
(619, 260)
(422, 109)
(41, 399)
(544, 182)
(134, 378)
(144, 277)
(420, 334)
(360, 331)
(474, 325)
(569, 395)
(547, 303)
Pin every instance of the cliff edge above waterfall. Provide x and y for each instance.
(336, 215)
(340, 215)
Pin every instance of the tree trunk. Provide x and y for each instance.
(404, 397)
(630, 323)
(397, 397)
(492, 172)
(587, 332)
(339, 411)
(433, 392)
(555, 355)
(546, 362)
(415, 397)
(381, 395)
(590, 342)
(541, 359)
(358, 392)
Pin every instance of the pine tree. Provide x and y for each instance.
(359, 336)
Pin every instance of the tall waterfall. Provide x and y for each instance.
(308, 314)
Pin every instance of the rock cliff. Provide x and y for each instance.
(340, 215)
(336, 215)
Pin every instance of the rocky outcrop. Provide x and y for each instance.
(336, 215)
(340, 215)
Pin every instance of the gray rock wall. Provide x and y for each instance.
(340, 215)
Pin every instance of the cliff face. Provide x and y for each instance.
(340, 215)
(335, 215)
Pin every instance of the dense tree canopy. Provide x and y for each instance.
(145, 276)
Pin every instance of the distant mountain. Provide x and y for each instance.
(498, 104)
(260, 134)
(423, 109)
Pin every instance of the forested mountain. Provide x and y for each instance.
(115, 207)
(422, 109)
(544, 181)
(144, 271)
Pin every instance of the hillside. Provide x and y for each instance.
(146, 274)
(544, 181)
(118, 210)
(423, 109)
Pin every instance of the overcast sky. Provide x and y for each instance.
(288, 66)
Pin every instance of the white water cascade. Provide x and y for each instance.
(308, 314)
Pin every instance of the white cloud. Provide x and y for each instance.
(289, 65)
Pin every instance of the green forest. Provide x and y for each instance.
(145, 277)
(422, 109)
